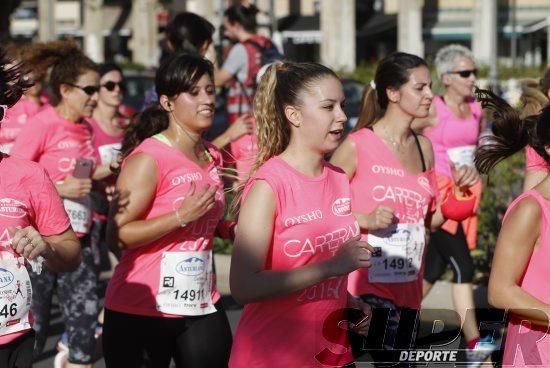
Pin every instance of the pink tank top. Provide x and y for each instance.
(453, 137)
(143, 279)
(533, 162)
(381, 179)
(244, 152)
(312, 221)
(526, 345)
(27, 197)
(15, 120)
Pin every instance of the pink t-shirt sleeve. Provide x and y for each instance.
(50, 215)
(28, 143)
(533, 162)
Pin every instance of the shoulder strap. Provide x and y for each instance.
(419, 150)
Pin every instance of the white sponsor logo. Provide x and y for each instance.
(425, 184)
(12, 208)
(68, 144)
(341, 207)
(379, 169)
(302, 219)
(329, 242)
(186, 178)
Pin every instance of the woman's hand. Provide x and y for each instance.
(74, 188)
(196, 203)
(353, 254)
(29, 243)
(380, 218)
(464, 176)
(360, 326)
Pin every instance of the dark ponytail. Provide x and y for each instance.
(12, 83)
(244, 15)
(510, 133)
(143, 125)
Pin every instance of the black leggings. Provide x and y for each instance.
(18, 353)
(135, 341)
(447, 249)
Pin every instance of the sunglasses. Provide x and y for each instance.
(465, 73)
(3, 111)
(110, 86)
(89, 90)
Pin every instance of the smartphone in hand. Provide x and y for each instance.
(83, 168)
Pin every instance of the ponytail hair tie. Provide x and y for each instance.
(372, 85)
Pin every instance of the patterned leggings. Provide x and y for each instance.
(78, 301)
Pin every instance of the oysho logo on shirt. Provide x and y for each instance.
(186, 178)
(68, 144)
(12, 208)
(379, 169)
(6, 278)
(192, 266)
(302, 219)
(341, 207)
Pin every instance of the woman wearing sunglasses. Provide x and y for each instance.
(33, 225)
(60, 139)
(453, 126)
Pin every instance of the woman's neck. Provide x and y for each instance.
(305, 161)
(67, 113)
(187, 141)
(395, 125)
(34, 99)
(106, 117)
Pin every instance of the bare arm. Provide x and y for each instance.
(221, 77)
(515, 245)
(250, 282)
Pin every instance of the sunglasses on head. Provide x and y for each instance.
(110, 85)
(89, 90)
(3, 111)
(465, 73)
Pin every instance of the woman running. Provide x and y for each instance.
(296, 239)
(162, 300)
(33, 228)
(393, 186)
(60, 139)
(453, 127)
(519, 286)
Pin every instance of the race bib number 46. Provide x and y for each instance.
(15, 296)
(398, 253)
(186, 283)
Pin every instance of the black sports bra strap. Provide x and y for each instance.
(419, 150)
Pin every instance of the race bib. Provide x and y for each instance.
(109, 153)
(463, 155)
(397, 253)
(186, 283)
(80, 214)
(15, 296)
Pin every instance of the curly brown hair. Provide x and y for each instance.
(64, 57)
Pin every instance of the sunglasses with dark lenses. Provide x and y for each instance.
(465, 73)
(89, 90)
(3, 111)
(110, 86)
